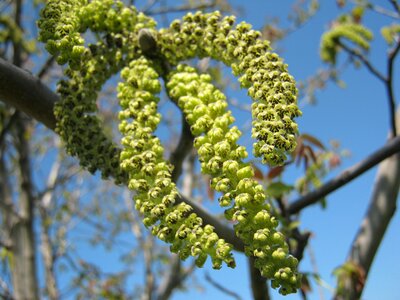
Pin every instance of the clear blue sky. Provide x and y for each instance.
(357, 116)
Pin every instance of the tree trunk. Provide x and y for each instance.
(24, 277)
(373, 227)
(48, 259)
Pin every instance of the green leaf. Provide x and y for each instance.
(278, 189)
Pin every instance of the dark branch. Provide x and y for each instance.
(184, 146)
(259, 285)
(27, 93)
(222, 230)
(389, 86)
(7, 127)
(387, 81)
(363, 59)
(392, 147)
(46, 67)
(395, 5)
(301, 238)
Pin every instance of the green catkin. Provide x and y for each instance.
(355, 33)
(82, 132)
(261, 71)
(150, 174)
(61, 25)
(391, 33)
(140, 164)
(205, 108)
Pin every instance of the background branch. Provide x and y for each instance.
(222, 288)
(355, 53)
(391, 147)
(389, 86)
(387, 80)
(182, 8)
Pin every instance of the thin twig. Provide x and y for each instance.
(378, 9)
(8, 126)
(387, 81)
(364, 60)
(148, 6)
(389, 86)
(181, 8)
(385, 12)
(46, 67)
(395, 5)
(391, 147)
(221, 287)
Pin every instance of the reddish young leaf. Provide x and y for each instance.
(275, 172)
(334, 161)
(299, 154)
(313, 140)
(210, 192)
(310, 153)
(305, 284)
(257, 173)
(341, 3)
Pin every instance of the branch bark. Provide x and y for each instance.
(380, 211)
(27, 93)
(259, 285)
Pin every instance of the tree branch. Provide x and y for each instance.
(222, 288)
(46, 67)
(27, 93)
(389, 86)
(380, 211)
(225, 232)
(387, 81)
(383, 11)
(259, 285)
(395, 5)
(184, 146)
(7, 127)
(370, 234)
(364, 60)
(391, 147)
